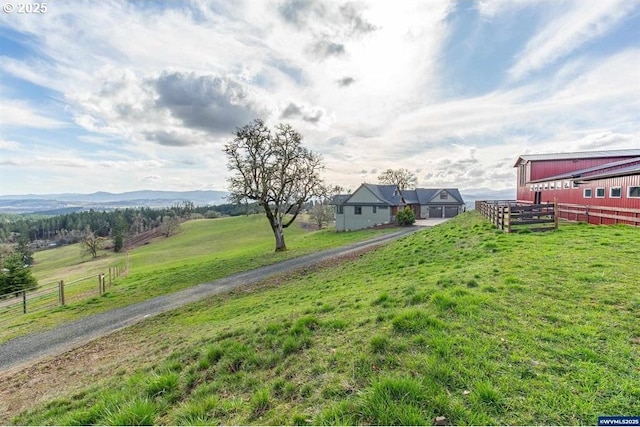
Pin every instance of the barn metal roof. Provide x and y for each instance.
(629, 170)
(579, 155)
(578, 173)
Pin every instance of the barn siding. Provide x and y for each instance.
(547, 168)
(538, 170)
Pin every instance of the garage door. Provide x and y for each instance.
(450, 211)
(435, 211)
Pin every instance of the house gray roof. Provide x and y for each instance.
(389, 194)
(579, 155)
(339, 199)
(386, 192)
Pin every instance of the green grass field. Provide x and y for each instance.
(201, 251)
(459, 321)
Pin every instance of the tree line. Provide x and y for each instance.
(71, 227)
(20, 235)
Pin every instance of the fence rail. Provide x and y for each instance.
(59, 293)
(599, 214)
(510, 216)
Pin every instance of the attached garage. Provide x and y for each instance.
(450, 211)
(435, 211)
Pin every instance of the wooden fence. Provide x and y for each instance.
(599, 214)
(59, 293)
(510, 216)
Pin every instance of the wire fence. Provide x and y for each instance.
(51, 295)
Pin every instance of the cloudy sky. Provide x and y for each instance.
(118, 96)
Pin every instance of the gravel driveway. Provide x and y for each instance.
(29, 349)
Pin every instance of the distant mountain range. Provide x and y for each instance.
(470, 196)
(55, 204)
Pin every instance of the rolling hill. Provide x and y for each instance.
(459, 324)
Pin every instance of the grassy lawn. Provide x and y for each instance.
(201, 251)
(459, 321)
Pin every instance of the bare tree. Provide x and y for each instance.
(91, 243)
(322, 212)
(403, 178)
(275, 170)
(169, 224)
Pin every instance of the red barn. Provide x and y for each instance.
(599, 186)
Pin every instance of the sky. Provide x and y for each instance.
(120, 96)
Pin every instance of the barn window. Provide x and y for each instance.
(444, 195)
(546, 185)
(552, 186)
(615, 192)
(339, 210)
(634, 192)
(567, 184)
(600, 192)
(575, 184)
(587, 193)
(375, 209)
(357, 210)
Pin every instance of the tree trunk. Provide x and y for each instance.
(278, 229)
(279, 234)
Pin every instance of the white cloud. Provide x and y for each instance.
(152, 93)
(583, 22)
(19, 113)
(9, 145)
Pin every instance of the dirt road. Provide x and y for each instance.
(26, 350)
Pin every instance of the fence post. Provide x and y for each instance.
(99, 284)
(110, 278)
(508, 218)
(24, 301)
(555, 212)
(104, 283)
(61, 291)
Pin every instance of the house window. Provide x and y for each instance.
(615, 192)
(600, 192)
(357, 210)
(375, 209)
(339, 210)
(587, 193)
(444, 195)
(634, 192)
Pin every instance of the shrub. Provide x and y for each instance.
(405, 217)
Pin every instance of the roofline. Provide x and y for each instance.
(579, 172)
(611, 174)
(578, 154)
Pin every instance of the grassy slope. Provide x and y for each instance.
(459, 321)
(201, 251)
